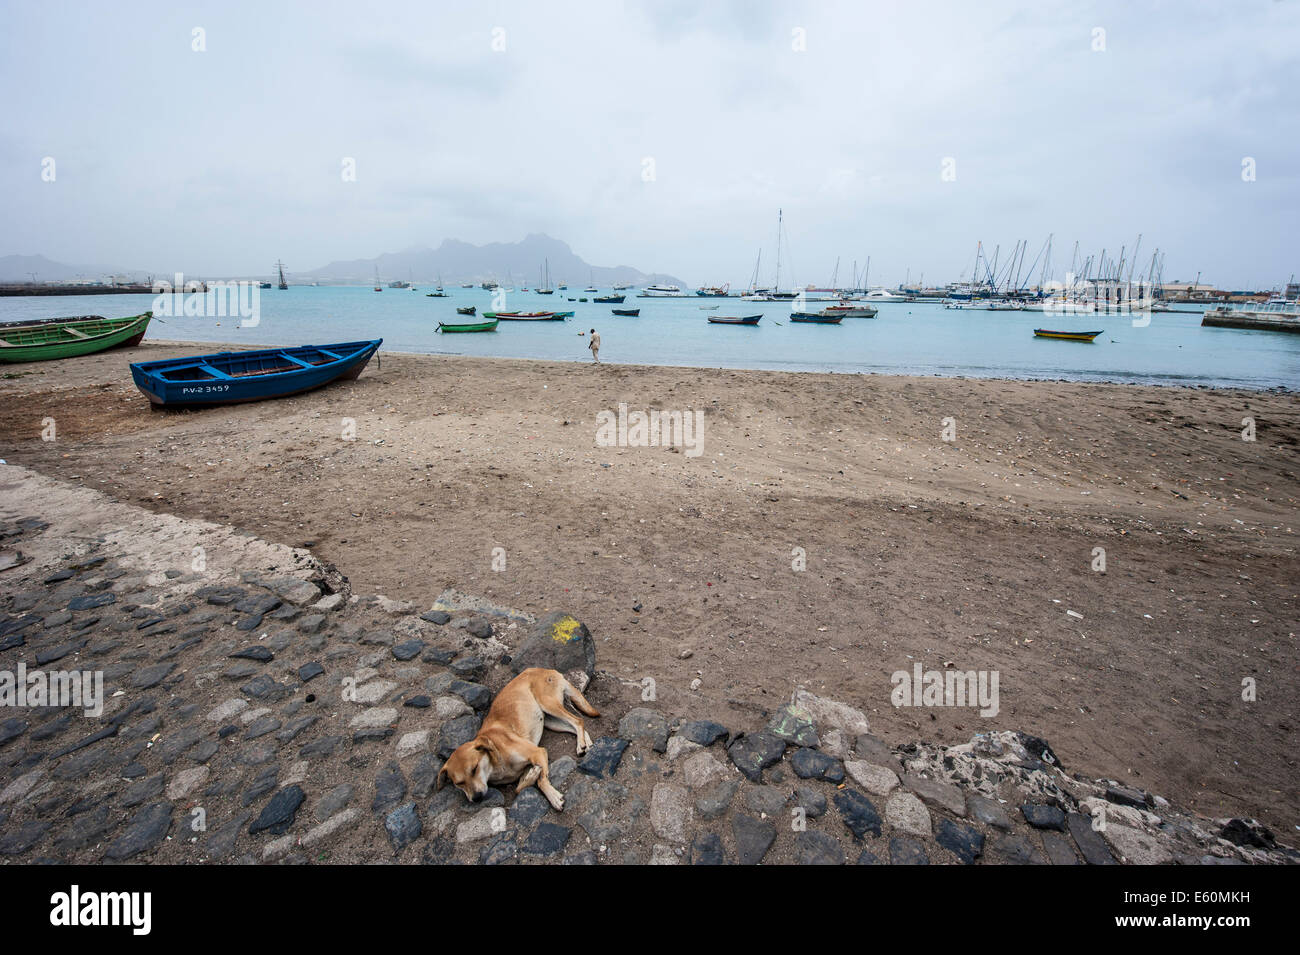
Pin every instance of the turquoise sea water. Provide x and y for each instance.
(905, 338)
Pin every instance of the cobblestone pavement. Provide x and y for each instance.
(254, 710)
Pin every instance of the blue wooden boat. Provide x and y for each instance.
(734, 319)
(238, 376)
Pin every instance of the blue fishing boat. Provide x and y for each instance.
(234, 377)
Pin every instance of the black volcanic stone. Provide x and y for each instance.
(390, 787)
(810, 764)
(148, 828)
(22, 838)
(707, 850)
(857, 812)
(408, 650)
(547, 840)
(753, 838)
(476, 695)
(469, 668)
(436, 616)
(403, 826)
(258, 605)
(604, 756)
(905, 851)
(1043, 817)
(457, 732)
(279, 813)
(92, 601)
(325, 746)
(420, 702)
(1090, 843)
(703, 732)
(962, 841)
(309, 671)
(754, 752)
(530, 806)
(254, 653)
(817, 848)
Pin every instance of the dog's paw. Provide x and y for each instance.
(557, 803)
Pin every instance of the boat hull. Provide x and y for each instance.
(468, 326)
(728, 320)
(812, 318)
(48, 339)
(1066, 336)
(626, 312)
(534, 317)
(229, 377)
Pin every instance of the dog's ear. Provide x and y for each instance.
(442, 777)
(484, 745)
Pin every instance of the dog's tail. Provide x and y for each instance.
(578, 701)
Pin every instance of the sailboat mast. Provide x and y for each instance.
(779, 216)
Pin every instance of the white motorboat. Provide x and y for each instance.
(881, 295)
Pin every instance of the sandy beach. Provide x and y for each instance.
(973, 554)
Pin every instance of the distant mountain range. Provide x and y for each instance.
(453, 262)
(510, 263)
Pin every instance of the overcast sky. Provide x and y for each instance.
(222, 161)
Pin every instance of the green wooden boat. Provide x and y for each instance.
(46, 338)
(487, 326)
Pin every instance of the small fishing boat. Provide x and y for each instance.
(626, 312)
(489, 326)
(709, 308)
(564, 315)
(528, 316)
(816, 318)
(46, 338)
(851, 311)
(609, 299)
(466, 310)
(1067, 336)
(233, 377)
(734, 319)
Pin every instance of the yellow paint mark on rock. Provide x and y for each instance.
(564, 630)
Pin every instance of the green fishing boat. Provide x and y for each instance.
(487, 326)
(47, 338)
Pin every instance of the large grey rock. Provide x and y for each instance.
(670, 812)
(559, 642)
(753, 838)
(904, 811)
(645, 723)
(937, 793)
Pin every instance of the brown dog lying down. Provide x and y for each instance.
(506, 749)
